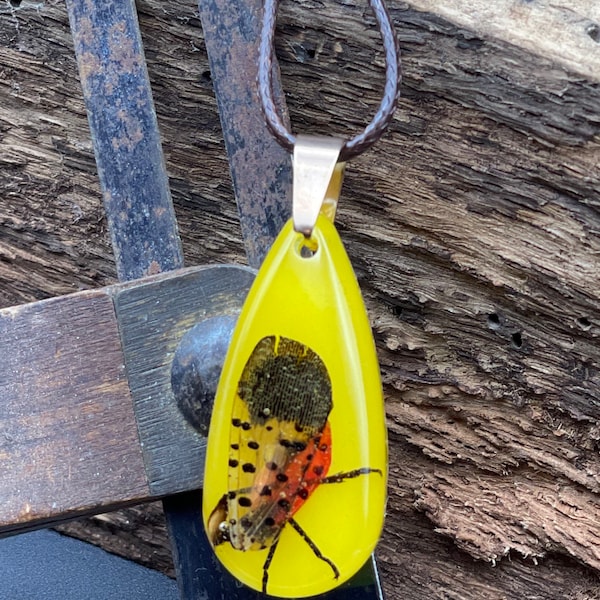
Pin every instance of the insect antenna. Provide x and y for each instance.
(313, 547)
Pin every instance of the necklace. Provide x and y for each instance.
(296, 467)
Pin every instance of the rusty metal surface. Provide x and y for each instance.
(260, 168)
(196, 368)
(125, 135)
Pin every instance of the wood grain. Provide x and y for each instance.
(473, 227)
(567, 33)
(69, 439)
(82, 374)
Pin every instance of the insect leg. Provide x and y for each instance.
(339, 477)
(267, 564)
(313, 547)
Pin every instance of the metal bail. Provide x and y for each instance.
(317, 177)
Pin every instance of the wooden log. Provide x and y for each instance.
(473, 227)
(567, 33)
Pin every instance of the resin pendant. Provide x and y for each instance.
(296, 464)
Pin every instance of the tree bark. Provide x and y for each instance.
(474, 230)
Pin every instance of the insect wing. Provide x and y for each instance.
(281, 408)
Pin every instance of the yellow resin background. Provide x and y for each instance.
(317, 302)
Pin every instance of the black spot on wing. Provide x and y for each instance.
(245, 522)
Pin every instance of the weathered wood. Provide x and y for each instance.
(81, 375)
(153, 318)
(473, 227)
(567, 33)
(69, 437)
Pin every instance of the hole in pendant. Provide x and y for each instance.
(307, 247)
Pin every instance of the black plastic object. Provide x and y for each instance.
(48, 566)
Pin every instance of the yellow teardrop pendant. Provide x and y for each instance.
(296, 464)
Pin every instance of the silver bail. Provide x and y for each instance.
(314, 162)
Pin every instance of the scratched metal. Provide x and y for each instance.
(125, 135)
(260, 168)
(196, 368)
